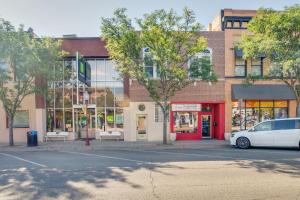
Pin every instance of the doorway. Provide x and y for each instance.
(80, 123)
(141, 128)
(206, 126)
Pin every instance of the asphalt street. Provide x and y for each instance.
(223, 173)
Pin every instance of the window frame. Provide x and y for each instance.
(255, 65)
(239, 65)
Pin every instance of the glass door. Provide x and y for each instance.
(206, 122)
(141, 127)
(81, 122)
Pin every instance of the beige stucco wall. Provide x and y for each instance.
(36, 122)
(154, 129)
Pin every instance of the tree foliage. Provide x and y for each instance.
(277, 35)
(25, 60)
(170, 40)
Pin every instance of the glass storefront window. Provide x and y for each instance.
(185, 122)
(280, 113)
(59, 120)
(101, 119)
(68, 97)
(280, 104)
(58, 103)
(238, 118)
(257, 111)
(266, 114)
(252, 117)
(252, 104)
(50, 120)
(100, 70)
(266, 104)
(119, 119)
(68, 120)
(110, 119)
(106, 93)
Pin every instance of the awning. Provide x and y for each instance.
(261, 92)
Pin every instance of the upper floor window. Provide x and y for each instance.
(256, 67)
(240, 67)
(236, 24)
(150, 68)
(200, 59)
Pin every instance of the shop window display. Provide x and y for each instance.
(185, 122)
(252, 112)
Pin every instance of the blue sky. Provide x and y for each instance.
(82, 17)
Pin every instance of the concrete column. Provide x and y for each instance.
(41, 123)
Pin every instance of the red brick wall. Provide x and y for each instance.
(201, 91)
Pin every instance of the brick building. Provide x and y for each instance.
(201, 110)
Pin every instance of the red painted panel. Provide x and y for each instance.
(218, 116)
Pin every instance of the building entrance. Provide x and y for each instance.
(194, 121)
(81, 123)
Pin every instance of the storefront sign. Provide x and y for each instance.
(186, 107)
(84, 72)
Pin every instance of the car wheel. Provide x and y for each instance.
(243, 143)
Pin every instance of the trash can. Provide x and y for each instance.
(32, 138)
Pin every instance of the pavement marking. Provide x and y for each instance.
(109, 157)
(18, 158)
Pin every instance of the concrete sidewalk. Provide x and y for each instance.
(95, 145)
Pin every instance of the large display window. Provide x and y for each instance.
(185, 122)
(106, 94)
(250, 112)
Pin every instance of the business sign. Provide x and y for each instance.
(186, 107)
(84, 71)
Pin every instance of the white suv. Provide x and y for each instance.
(271, 133)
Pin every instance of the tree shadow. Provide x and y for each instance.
(52, 183)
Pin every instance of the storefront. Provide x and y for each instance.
(256, 103)
(196, 121)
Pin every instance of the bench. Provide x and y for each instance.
(56, 135)
(108, 134)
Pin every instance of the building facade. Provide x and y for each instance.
(247, 106)
(201, 110)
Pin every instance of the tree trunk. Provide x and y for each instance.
(165, 134)
(11, 130)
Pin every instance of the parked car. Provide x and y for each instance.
(270, 133)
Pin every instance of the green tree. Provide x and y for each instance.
(27, 64)
(164, 40)
(276, 35)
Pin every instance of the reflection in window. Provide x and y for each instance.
(240, 67)
(110, 119)
(255, 111)
(106, 92)
(238, 118)
(256, 66)
(266, 126)
(68, 120)
(21, 119)
(252, 117)
(185, 122)
(266, 114)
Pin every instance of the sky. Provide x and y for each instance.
(83, 17)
